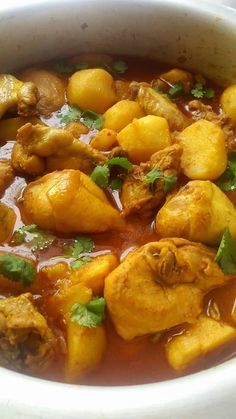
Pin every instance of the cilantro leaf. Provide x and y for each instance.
(81, 244)
(33, 236)
(89, 315)
(177, 88)
(17, 269)
(116, 184)
(81, 66)
(73, 115)
(120, 161)
(120, 67)
(227, 181)
(63, 68)
(200, 92)
(226, 254)
(156, 174)
(100, 175)
(76, 264)
(92, 119)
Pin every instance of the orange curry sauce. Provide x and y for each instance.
(143, 360)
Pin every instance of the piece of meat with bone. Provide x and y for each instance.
(139, 196)
(17, 96)
(39, 148)
(26, 341)
(161, 285)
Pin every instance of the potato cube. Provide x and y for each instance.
(143, 137)
(7, 222)
(199, 339)
(105, 140)
(91, 89)
(175, 75)
(121, 114)
(228, 102)
(204, 154)
(85, 348)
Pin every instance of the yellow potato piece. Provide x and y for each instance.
(198, 340)
(69, 201)
(85, 349)
(7, 222)
(143, 137)
(200, 212)
(228, 101)
(91, 89)
(68, 295)
(121, 114)
(9, 127)
(105, 140)
(204, 154)
(94, 273)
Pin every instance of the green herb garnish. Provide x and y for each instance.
(81, 244)
(176, 89)
(76, 264)
(226, 254)
(73, 114)
(89, 315)
(120, 161)
(227, 181)
(34, 237)
(156, 174)
(201, 92)
(63, 68)
(92, 120)
(17, 269)
(120, 67)
(100, 175)
(81, 66)
(116, 184)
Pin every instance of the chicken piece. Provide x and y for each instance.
(201, 111)
(10, 126)
(6, 175)
(51, 88)
(69, 201)
(160, 285)
(7, 221)
(26, 341)
(200, 211)
(16, 94)
(137, 195)
(198, 339)
(39, 146)
(153, 103)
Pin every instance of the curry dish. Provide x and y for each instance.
(118, 221)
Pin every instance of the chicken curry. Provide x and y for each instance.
(118, 221)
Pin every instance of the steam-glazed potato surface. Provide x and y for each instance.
(118, 221)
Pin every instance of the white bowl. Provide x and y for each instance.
(196, 35)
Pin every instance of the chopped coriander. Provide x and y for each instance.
(17, 269)
(73, 115)
(120, 161)
(92, 120)
(81, 66)
(201, 92)
(81, 244)
(116, 184)
(177, 89)
(89, 315)
(156, 174)
(106, 67)
(76, 264)
(227, 181)
(100, 176)
(63, 68)
(33, 236)
(226, 254)
(120, 67)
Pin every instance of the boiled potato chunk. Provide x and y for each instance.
(105, 140)
(199, 339)
(91, 89)
(85, 349)
(7, 221)
(50, 86)
(228, 101)
(200, 212)
(9, 127)
(175, 75)
(69, 201)
(143, 137)
(204, 154)
(121, 114)
(94, 273)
